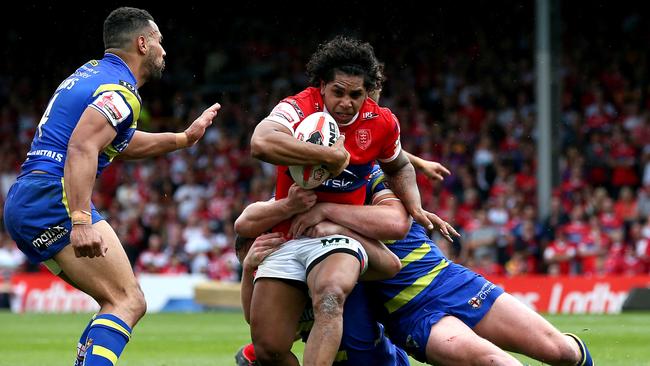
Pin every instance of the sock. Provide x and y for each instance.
(107, 338)
(586, 359)
(249, 352)
(81, 345)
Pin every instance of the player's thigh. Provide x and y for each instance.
(108, 279)
(451, 342)
(513, 326)
(338, 271)
(276, 307)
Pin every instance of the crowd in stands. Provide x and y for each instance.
(464, 99)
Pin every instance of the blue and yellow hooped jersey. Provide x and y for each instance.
(422, 261)
(108, 86)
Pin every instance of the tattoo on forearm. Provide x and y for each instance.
(404, 185)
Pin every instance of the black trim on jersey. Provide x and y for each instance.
(132, 88)
(337, 250)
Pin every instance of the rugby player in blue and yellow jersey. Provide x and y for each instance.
(443, 313)
(90, 119)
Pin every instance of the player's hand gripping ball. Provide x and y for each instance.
(317, 128)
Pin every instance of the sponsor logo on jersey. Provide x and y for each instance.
(369, 115)
(49, 237)
(295, 106)
(363, 138)
(477, 300)
(113, 107)
(334, 241)
(49, 153)
(93, 63)
(338, 183)
(108, 105)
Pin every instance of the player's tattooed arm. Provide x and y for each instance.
(400, 176)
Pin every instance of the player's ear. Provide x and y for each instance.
(322, 87)
(141, 43)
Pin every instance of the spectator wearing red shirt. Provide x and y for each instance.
(626, 207)
(559, 255)
(593, 248)
(623, 161)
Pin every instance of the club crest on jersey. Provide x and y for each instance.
(475, 302)
(363, 138)
(369, 115)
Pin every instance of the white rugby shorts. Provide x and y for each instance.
(296, 258)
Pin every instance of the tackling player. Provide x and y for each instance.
(441, 312)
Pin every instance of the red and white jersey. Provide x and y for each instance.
(373, 134)
(561, 253)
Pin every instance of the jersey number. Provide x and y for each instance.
(46, 115)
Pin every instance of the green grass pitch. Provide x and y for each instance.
(211, 339)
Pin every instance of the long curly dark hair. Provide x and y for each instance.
(349, 56)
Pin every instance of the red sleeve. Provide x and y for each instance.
(392, 147)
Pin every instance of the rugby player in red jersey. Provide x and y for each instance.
(342, 73)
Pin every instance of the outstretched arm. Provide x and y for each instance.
(431, 169)
(145, 144)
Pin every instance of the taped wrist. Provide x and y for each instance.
(81, 217)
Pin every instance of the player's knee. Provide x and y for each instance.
(131, 300)
(270, 353)
(138, 304)
(564, 354)
(329, 301)
(561, 351)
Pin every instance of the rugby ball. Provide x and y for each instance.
(317, 128)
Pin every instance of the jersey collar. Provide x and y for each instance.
(117, 60)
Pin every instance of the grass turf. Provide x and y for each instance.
(212, 338)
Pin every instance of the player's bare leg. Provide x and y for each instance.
(111, 282)
(451, 342)
(330, 282)
(276, 307)
(513, 326)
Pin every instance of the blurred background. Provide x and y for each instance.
(461, 78)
